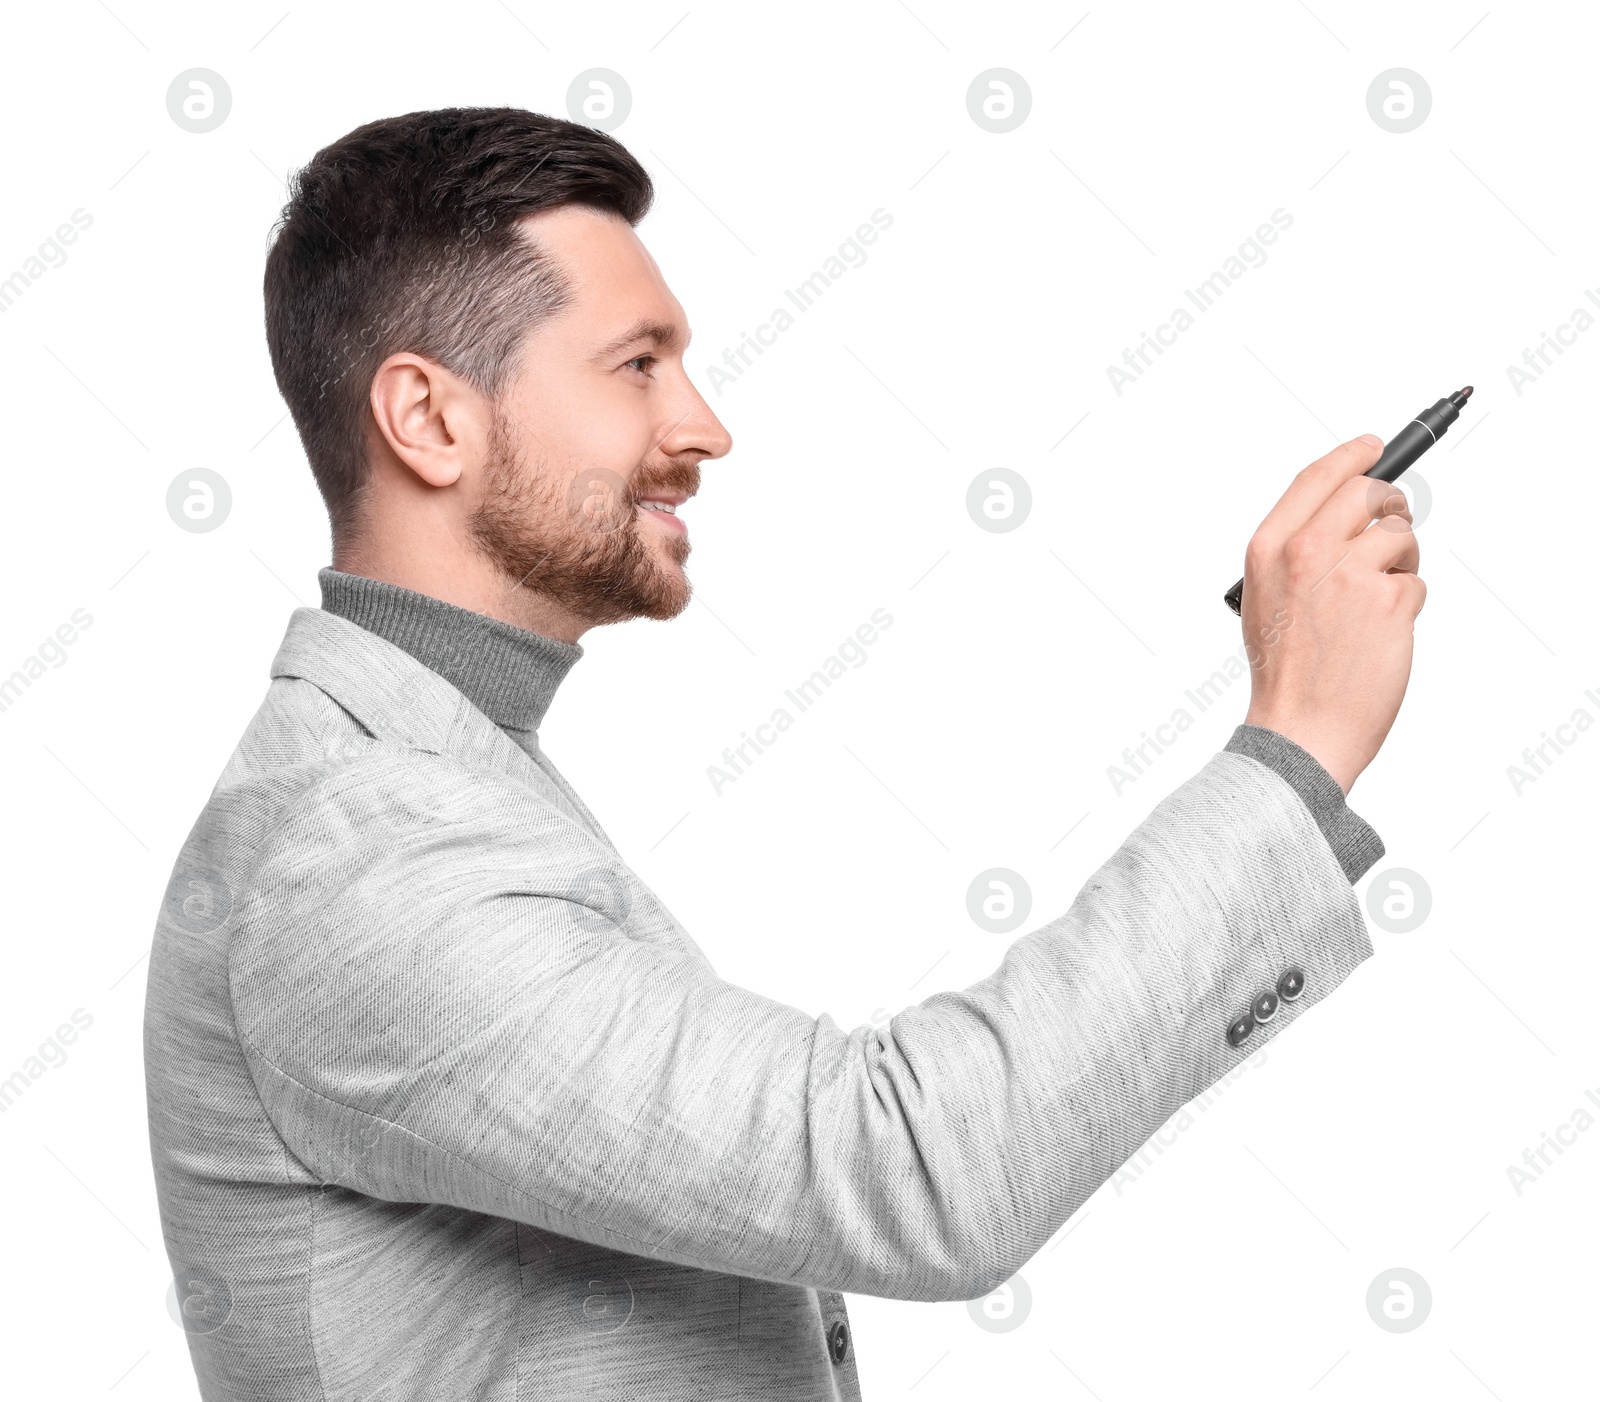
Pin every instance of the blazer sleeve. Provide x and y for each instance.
(438, 1003)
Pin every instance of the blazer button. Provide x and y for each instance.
(1291, 985)
(1240, 1028)
(1265, 1007)
(838, 1341)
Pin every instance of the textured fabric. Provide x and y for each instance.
(1353, 840)
(445, 1104)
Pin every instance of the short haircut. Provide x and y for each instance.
(402, 236)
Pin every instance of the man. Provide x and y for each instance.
(443, 1102)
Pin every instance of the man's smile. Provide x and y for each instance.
(663, 508)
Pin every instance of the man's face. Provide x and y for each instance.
(599, 435)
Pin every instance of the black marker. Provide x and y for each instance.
(1404, 449)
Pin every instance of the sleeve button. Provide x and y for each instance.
(1265, 1007)
(1291, 985)
(1239, 1029)
(838, 1341)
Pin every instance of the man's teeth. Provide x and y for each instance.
(666, 506)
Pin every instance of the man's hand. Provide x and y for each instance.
(1331, 592)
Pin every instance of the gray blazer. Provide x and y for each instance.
(445, 1104)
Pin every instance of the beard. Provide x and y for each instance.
(581, 541)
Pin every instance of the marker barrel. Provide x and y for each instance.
(1401, 451)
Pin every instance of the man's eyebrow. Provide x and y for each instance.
(661, 334)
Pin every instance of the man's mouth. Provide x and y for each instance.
(664, 508)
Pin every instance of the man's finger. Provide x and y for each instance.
(1313, 485)
(1386, 545)
(1354, 504)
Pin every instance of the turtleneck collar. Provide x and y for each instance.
(508, 673)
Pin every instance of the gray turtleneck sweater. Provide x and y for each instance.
(511, 675)
(508, 673)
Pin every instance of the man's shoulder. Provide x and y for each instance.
(361, 784)
(311, 790)
(330, 838)
(304, 757)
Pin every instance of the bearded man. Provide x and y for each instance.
(444, 1103)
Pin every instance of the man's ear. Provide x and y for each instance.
(434, 422)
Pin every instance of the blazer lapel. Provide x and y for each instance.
(397, 698)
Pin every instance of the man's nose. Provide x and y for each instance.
(699, 430)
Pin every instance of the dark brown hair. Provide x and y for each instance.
(402, 236)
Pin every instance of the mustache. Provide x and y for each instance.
(676, 475)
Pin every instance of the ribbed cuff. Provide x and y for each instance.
(1356, 845)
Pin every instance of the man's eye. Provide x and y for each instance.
(642, 363)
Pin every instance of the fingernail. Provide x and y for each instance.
(1371, 439)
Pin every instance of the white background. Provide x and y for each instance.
(834, 873)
